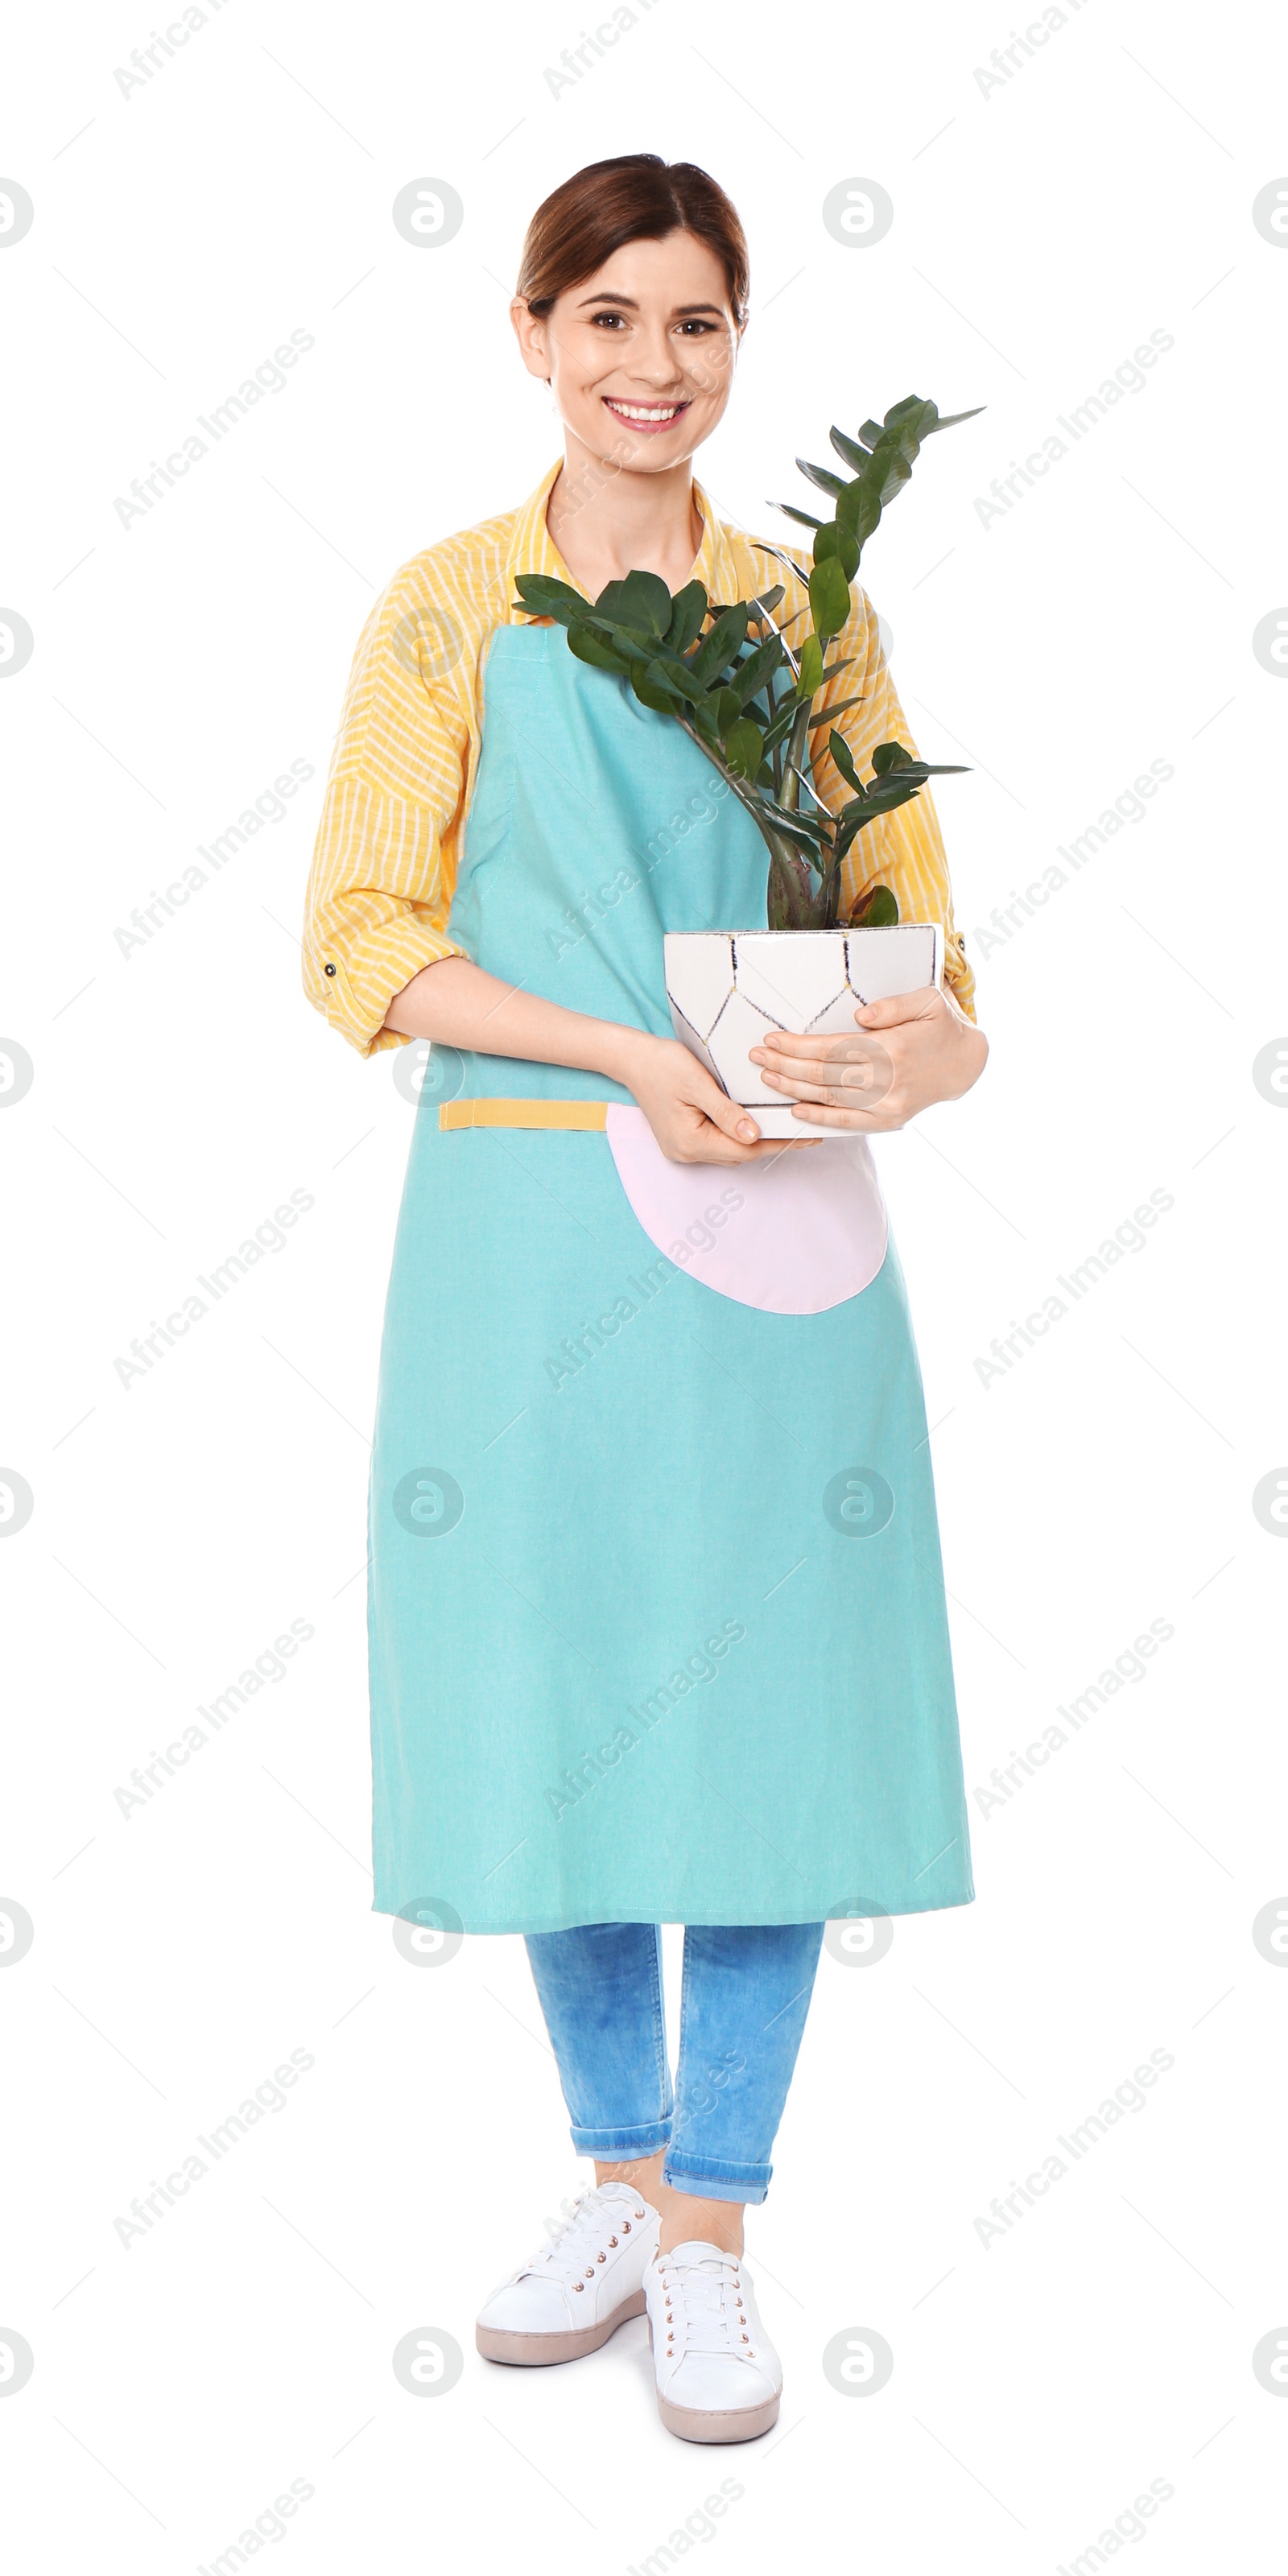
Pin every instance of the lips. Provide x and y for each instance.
(649, 419)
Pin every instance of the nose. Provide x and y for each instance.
(653, 361)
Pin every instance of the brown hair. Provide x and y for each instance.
(638, 197)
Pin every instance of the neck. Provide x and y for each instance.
(607, 520)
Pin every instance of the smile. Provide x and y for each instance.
(648, 417)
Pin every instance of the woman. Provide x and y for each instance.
(642, 1674)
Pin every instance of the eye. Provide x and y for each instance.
(610, 318)
(694, 323)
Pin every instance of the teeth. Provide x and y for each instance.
(642, 411)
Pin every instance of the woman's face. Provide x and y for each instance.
(640, 356)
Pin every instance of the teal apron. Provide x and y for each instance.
(656, 1612)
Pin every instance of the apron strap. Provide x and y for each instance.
(524, 1113)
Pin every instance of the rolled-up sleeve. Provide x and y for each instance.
(903, 850)
(383, 873)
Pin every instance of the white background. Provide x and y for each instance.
(1042, 230)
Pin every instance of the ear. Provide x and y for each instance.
(530, 332)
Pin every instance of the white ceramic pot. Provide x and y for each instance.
(727, 988)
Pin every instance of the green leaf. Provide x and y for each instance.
(859, 508)
(652, 667)
(802, 517)
(688, 616)
(885, 794)
(897, 472)
(781, 723)
(633, 647)
(849, 449)
(844, 759)
(809, 832)
(870, 433)
(726, 706)
(542, 596)
(894, 792)
(811, 671)
(765, 600)
(668, 670)
(744, 748)
(891, 755)
(663, 701)
(642, 602)
(829, 599)
(749, 676)
(596, 649)
(829, 715)
(720, 645)
(820, 475)
(891, 760)
(877, 908)
(626, 640)
(835, 544)
(914, 416)
(951, 418)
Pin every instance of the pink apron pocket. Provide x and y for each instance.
(792, 1237)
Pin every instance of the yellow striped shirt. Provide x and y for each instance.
(407, 754)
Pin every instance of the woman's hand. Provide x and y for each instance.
(692, 1118)
(910, 1051)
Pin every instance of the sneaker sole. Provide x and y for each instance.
(703, 2424)
(698, 2425)
(536, 2350)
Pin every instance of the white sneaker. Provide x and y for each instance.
(719, 2378)
(580, 2288)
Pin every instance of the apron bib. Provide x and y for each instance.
(656, 1616)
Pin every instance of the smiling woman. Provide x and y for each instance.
(509, 834)
(648, 267)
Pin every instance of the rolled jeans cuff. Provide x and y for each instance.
(715, 2178)
(613, 2146)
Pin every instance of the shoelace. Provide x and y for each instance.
(705, 2310)
(585, 2231)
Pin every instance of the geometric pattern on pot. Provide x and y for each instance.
(794, 976)
(728, 989)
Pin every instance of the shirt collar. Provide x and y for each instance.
(533, 549)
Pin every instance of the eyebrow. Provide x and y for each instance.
(607, 296)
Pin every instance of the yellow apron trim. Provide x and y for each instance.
(524, 1113)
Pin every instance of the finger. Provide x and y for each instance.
(863, 1081)
(731, 1119)
(715, 1148)
(898, 1007)
(704, 1143)
(867, 1122)
(779, 1041)
(802, 1057)
(845, 1048)
(827, 1095)
(771, 1146)
(838, 1091)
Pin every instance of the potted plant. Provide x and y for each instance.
(745, 694)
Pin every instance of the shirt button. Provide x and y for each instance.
(328, 970)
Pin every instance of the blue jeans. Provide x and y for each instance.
(745, 1995)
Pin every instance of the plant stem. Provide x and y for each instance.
(792, 901)
(797, 745)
